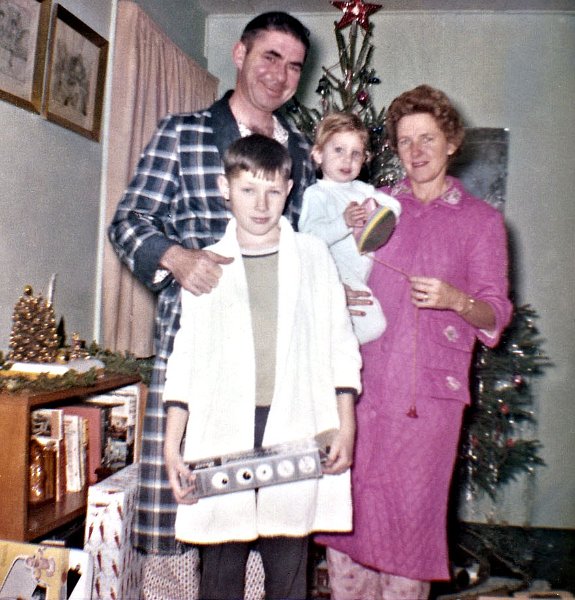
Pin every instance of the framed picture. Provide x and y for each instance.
(23, 39)
(76, 75)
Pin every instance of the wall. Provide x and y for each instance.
(50, 182)
(511, 70)
(50, 186)
(183, 21)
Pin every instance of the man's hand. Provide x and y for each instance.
(197, 271)
(357, 298)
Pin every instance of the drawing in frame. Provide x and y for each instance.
(23, 40)
(76, 75)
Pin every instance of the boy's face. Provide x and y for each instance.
(341, 157)
(257, 204)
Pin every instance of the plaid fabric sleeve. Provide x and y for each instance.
(137, 231)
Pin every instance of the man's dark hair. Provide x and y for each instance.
(275, 21)
(260, 155)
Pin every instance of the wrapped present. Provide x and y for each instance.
(30, 571)
(108, 536)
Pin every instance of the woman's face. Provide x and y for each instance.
(423, 149)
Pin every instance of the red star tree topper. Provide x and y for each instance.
(355, 10)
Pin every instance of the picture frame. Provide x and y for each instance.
(24, 26)
(74, 93)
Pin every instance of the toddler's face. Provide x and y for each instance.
(341, 157)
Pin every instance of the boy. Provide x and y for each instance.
(269, 356)
(335, 207)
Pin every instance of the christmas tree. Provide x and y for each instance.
(347, 85)
(34, 336)
(494, 450)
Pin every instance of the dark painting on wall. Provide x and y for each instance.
(481, 163)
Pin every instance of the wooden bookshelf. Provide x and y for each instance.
(18, 520)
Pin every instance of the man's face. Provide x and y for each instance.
(257, 204)
(269, 72)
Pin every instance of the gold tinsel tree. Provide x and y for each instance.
(34, 336)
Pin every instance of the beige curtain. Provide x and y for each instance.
(151, 78)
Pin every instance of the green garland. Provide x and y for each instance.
(115, 363)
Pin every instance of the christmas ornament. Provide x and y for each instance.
(322, 86)
(363, 97)
(355, 11)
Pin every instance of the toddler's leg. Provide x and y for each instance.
(370, 326)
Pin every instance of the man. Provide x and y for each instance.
(173, 208)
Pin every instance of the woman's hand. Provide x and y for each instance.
(357, 298)
(430, 292)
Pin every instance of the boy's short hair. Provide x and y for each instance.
(275, 21)
(338, 122)
(258, 154)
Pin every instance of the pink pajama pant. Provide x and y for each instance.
(351, 581)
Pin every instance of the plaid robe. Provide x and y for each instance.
(174, 199)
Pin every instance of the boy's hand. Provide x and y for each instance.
(340, 457)
(197, 271)
(355, 215)
(182, 480)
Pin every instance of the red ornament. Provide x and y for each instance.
(363, 97)
(355, 10)
(504, 409)
(510, 443)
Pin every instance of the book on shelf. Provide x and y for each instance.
(73, 436)
(98, 419)
(47, 427)
(54, 459)
(125, 424)
(47, 422)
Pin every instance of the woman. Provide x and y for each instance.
(442, 282)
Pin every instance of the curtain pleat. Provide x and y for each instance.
(151, 78)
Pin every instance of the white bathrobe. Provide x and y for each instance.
(212, 369)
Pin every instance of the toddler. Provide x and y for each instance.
(339, 203)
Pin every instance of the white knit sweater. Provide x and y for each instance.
(212, 369)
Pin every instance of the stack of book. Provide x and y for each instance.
(84, 442)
